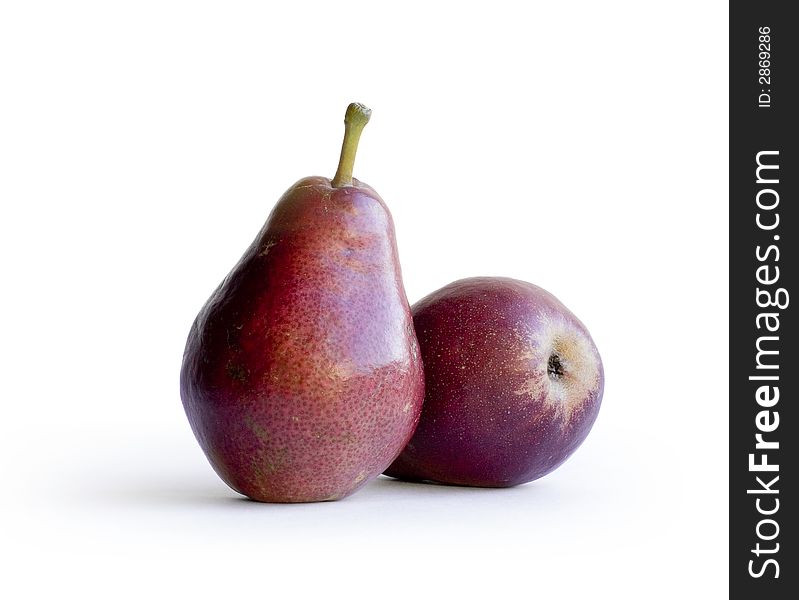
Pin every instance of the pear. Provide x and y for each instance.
(302, 378)
(514, 383)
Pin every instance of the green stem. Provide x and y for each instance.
(355, 120)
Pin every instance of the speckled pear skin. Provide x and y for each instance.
(302, 378)
(514, 383)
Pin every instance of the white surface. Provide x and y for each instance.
(578, 145)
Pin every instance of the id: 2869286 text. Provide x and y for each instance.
(764, 66)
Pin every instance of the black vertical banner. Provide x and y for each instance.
(764, 366)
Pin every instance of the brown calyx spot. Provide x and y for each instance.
(237, 372)
(555, 367)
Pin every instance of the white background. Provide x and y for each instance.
(578, 145)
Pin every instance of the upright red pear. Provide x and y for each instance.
(302, 378)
